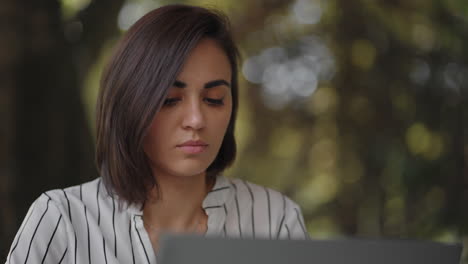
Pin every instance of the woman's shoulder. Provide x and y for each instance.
(76, 190)
(262, 193)
(265, 212)
(64, 220)
(73, 195)
(91, 196)
(51, 224)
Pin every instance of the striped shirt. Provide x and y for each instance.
(84, 224)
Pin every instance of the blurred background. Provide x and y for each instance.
(357, 110)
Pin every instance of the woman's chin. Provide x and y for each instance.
(190, 170)
(191, 167)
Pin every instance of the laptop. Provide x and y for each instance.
(178, 249)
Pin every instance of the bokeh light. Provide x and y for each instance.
(421, 72)
(323, 101)
(318, 190)
(132, 11)
(421, 141)
(363, 53)
(307, 12)
(71, 7)
(288, 74)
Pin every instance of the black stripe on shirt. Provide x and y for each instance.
(35, 230)
(104, 247)
(97, 201)
(225, 210)
(99, 220)
(81, 198)
(300, 223)
(238, 211)
(89, 239)
(287, 229)
(52, 237)
(63, 256)
(219, 189)
(68, 202)
(141, 241)
(225, 219)
(76, 246)
(269, 210)
(211, 207)
(113, 226)
(251, 207)
(131, 242)
(280, 227)
(71, 221)
(282, 219)
(21, 232)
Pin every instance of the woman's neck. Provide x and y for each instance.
(179, 206)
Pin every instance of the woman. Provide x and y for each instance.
(165, 132)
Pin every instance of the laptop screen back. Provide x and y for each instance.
(196, 249)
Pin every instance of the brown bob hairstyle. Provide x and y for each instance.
(134, 85)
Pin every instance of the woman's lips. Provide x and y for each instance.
(196, 149)
(193, 146)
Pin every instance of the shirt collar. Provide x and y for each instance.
(216, 198)
(218, 195)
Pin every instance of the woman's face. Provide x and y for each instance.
(186, 134)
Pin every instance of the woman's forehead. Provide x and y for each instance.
(207, 58)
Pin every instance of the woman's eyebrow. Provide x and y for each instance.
(216, 83)
(208, 85)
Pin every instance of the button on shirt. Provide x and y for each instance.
(84, 224)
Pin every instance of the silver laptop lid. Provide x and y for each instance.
(178, 249)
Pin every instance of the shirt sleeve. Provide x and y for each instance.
(292, 225)
(42, 237)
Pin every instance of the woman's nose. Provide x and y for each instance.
(193, 116)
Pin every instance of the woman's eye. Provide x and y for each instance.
(210, 101)
(216, 102)
(170, 101)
